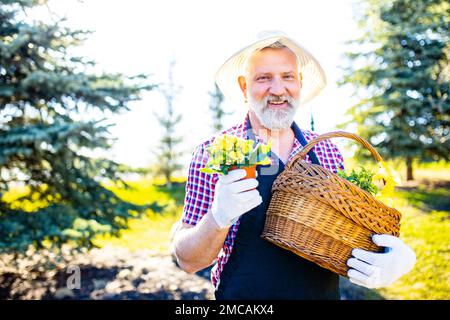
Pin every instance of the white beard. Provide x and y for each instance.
(271, 118)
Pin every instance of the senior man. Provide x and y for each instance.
(224, 216)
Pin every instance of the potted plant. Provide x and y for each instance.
(229, 152)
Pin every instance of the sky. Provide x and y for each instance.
(137, 36)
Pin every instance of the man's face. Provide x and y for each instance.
(272, 87)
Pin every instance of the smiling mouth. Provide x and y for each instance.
(278, 104)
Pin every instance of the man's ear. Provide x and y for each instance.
(300, 78)
(243, 85)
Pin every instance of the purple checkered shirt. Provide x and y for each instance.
(200, 186)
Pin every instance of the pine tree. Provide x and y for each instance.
(216, 109)
(401, 73)
(168, 152)
(45, 145)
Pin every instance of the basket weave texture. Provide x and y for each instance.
(320, 216)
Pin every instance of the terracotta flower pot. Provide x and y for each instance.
(251, 171)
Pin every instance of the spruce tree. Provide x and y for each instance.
(168, 151)
(400, 69)
(47, 138)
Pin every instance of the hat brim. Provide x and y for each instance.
(313, 76)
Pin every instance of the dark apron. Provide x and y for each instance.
(258, 269)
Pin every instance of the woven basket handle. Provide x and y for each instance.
(302, 154)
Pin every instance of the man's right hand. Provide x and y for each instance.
(234, 197)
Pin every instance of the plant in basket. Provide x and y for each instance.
(379, 183)
(229, 152)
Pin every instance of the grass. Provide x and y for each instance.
(152, 231)
(427, 232)
(425, 227)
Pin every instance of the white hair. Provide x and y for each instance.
(275, 45)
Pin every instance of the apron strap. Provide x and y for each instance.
(301, 138)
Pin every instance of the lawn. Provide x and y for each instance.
(152, 231)
(425, 205)
(425, 227)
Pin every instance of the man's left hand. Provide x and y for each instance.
(375, 270)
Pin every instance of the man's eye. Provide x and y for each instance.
(262, 78)
(289, 76)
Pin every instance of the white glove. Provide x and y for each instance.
(234, 197)
(375, 270)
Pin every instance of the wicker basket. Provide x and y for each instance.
(321, 216)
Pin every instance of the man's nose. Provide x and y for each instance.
(277, 87)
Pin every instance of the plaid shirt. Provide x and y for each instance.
(200, 186)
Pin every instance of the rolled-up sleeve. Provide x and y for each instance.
(199, 188)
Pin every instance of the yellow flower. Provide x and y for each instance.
(218, 141)
(391, 179)
(246, 146)
(214, 150)
(266, 148)
(238, 157)
(227, 143)
(228, 150)
(216, 160)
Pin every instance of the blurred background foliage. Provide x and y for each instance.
(46, 146)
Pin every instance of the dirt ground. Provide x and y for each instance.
(111, 274)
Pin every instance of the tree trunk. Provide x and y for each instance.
(169, 181)
(409, 169)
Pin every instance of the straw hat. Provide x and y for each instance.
(312, 73)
